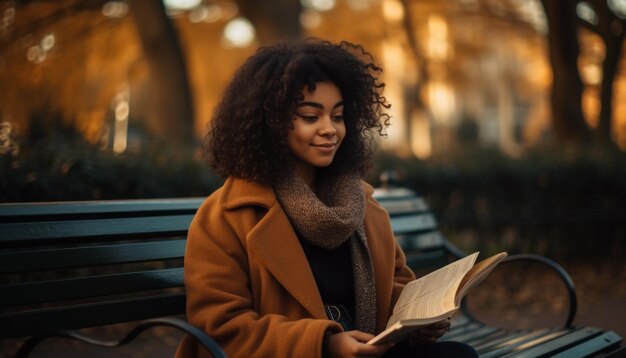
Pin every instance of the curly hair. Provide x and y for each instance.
(248, 132)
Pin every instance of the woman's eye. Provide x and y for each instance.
(308, 118)
(338, 117)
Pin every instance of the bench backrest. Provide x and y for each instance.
(416, 230)
(73, 265)
(80, 264)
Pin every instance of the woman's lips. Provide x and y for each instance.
(325, 147)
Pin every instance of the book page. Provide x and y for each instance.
(435, 296)
(477, 273)
(430, 295)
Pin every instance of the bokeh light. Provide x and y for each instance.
(320, 5)
(585, 11)
(239, 32)
(115, 9)
(182, 4)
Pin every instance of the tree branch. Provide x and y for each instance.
(47, 20)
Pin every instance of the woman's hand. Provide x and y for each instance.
(353, 344)
(430, 334)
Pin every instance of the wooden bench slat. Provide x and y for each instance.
(537, 341)
(606, 341)
(400, 206)
(88, 287)
(157, 226)
(456, 331)
(53, 259)
(532, 339)
(413, 223)
(499, 333)
(22, 324)
(459, 319)
(35, 211)
(434, 259)
(503, 335)
(475, 334)
(557, 344)
(459, 322)
(422, 241)
(391, 193)
(509, 338)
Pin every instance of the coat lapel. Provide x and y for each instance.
(276, 245)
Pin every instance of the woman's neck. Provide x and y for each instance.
(307, 173)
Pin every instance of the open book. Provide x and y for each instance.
(436, 296)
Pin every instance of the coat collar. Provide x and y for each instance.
(275, 243)
(240, 192)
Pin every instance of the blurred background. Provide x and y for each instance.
(508, 116)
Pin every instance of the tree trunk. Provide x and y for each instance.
(611, 29)
(169, 109)
(567, 87)
(413, 96)
(274, 20)
(609, 71)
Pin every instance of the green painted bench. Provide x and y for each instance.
(426, 249)
(72, 265)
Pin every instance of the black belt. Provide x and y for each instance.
(341, 315)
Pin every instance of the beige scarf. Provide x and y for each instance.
(329, 220)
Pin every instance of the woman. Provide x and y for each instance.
(292, 257)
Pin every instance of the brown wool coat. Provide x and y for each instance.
(248, 282)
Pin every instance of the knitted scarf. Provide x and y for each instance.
(328, 221)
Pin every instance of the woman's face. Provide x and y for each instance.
(317, 128)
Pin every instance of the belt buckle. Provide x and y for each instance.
(331, 315)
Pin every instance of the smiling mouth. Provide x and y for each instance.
(325, 148)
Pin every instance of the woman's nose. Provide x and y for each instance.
(327, 126)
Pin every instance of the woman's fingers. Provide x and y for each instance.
(353, 344)
(445, 323)
(360, 336)
(368, 350)
(431, 333)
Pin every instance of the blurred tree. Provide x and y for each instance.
(274, 20)
(609, 23)
(611, 28)
(83, 87)
(459, 70)
(564, 20)
(416, 102)
(567, 86)
(170, 106)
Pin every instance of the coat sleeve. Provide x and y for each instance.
(219, 299)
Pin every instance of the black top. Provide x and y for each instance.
(332, 270)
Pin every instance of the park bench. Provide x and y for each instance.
(67, 266)
(427, 249)
(73, 265)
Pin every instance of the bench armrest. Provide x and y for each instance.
(453, 250)
(203, 339)
(561, 273)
